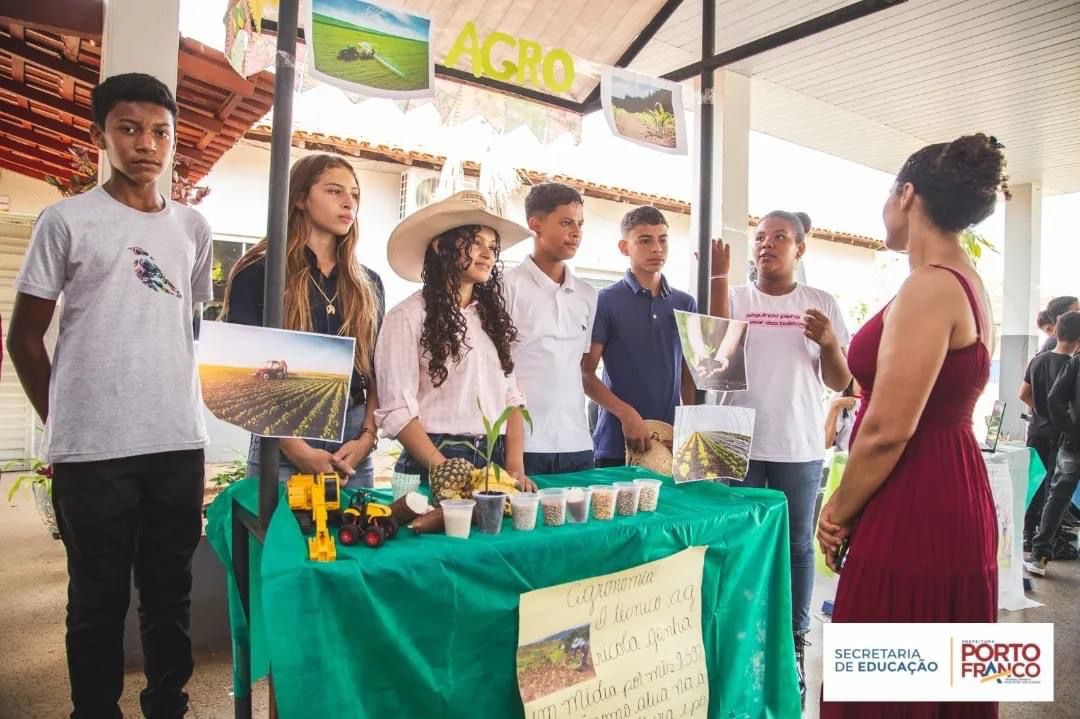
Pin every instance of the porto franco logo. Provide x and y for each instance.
(1000, 662)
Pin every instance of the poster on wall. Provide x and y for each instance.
(715, 350)
(276, 383)
(375, 51)
(712, 442)
(583, 646)
(644, 110)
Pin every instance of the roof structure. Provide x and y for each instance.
(363, 149)
(45, 83)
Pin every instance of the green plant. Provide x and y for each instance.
(41, 474)
(492, 436)
(660, 118)
(973, 244)
(237, 470)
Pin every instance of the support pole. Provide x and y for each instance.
(705, 159)
(278, 225)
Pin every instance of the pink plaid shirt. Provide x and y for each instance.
(405, 389)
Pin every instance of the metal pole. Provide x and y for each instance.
(705, 158)
(278, 224)
(241, 558)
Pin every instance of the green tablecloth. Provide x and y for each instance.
(426, 626)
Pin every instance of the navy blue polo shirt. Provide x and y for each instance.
(642, 355)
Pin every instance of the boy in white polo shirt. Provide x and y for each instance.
(553, 311)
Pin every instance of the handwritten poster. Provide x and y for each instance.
(618, 645)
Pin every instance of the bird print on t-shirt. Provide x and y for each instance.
(150, 274)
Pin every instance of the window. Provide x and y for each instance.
(227, 252)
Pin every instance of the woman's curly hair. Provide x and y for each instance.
(443, 336)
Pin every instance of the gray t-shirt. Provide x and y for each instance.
(124, 379)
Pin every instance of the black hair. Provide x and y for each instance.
(545, 197)
(1068, 327)
(644, 215)
(1043, 319)
(958, 181)
(130, 87)
(1058, 306)
(799, 221)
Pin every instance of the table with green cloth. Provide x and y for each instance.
(426, 625)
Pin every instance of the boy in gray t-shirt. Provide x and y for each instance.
(120, 398)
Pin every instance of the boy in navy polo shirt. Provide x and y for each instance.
(635, 334)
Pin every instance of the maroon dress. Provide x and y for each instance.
(925, 546)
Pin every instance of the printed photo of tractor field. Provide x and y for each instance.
(364, 48)
(554, 663)
(276, 383)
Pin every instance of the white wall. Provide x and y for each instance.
(27, 196)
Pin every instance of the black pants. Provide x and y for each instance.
(1058, 499)
(142, 512)
(1047, 450)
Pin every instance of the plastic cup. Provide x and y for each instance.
(490, 509)
(603, 501)
(523, 509)
(650, 494)
(577, 504)
(553, 502)
(457, 516)
(626, 502)
(402, 484)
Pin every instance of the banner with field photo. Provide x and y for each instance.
(276, 383)
(712, 442)
(644, 110)
(369, 49)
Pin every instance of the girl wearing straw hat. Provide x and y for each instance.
(327, 291)
(446, 348)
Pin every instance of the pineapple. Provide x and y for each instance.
(453, 479)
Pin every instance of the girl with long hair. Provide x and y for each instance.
(327, 291)
(446, 348)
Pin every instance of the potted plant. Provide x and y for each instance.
(40, 481)
(232, 472)
(490, 505)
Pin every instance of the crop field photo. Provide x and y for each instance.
(712, 442)
(276, 383)
(364, 48)
(644, 110)
(554, 663)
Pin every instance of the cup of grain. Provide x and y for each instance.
(553, 503)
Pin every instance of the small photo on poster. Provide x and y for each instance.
(554, 663)
(276, 383)
(375, 51)
(715, 351)
(644, 110)
(712, 442)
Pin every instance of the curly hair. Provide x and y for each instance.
(443, 336)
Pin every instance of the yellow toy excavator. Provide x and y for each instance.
(311, 498)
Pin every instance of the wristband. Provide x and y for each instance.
(718, 277)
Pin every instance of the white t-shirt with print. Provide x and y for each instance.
(783, 371)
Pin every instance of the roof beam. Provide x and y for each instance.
(77, 135)
(195, 119)
(39, 97)
(84, 18)
(644, 38)
(222, 76)
(50, 62)
(37, 172)
(71, 47)
(28, 135)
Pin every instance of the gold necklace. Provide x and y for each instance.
(330, 309)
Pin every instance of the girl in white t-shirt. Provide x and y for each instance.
(795, 347)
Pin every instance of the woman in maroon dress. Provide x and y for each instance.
(915, 502)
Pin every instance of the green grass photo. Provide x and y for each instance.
(371, 50)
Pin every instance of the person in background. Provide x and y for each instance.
(840, 419)
(120, 399)
(1063, 408)
(914, 505)
(635, 333)
(1042, 320)
(447, 347)
(1056, 308)
(553, 311)
(329, 292)
(794, 349)
(1042, 435)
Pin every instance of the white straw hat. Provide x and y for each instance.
(410, 239)
(657, 457)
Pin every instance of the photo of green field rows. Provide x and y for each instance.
(291, 406)
(369, 57)
(712, 455)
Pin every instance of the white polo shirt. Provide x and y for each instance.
(554, 324)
